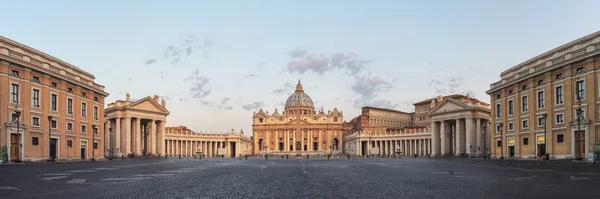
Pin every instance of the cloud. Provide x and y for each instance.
(301, 62)
(286, 89)
(281, 103)
(470, 92)
(175, 53)
(447, 86)
(368, 88)
(130, 79)
(221, 105)
(250, 75)
(198, 85)
(384, 104)
(253, 106)
(261, 65)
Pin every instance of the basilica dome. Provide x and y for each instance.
(299, 96)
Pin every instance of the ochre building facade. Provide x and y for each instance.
(182, 141)
(550, 104)
(135, 128)
(58, 107)
(299, 129)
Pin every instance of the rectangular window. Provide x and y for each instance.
(540, 82)
(559, 95)
(95, 130)
(540, 97)
(560, 118)
(559, 76)
(83, 106)
(70, 106)
(560, 138)
(580, 90)
(511, 107)
(499, 143)
(15, 73)
(580, 70)
(510, 92)
(95, 145)
(525, 141)
(525, 124)
(541, 121)
(498, 96)
(53, 102)
(70, 90)
(36, 98)
(69, 143)
(83, 128)
(69, 126)
(511, 126)
(524, 104)
(524, 87)
(15, 93)
(35, 121)
(96, 113)
(14, 117)
(498, 128)
(35, 79)
(54, 124)
(498, 110)
(34, 141)
(53, 85)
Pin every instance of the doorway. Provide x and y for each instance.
(580, 145)
(511, 151)
(83, 150)
(315, 146)
(541, 148)
(53, 142)
(281, 146)
(14, 147)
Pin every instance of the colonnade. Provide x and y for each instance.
(188, 148)
(460, 136)
(310, 140)
(133, 135)
(416, 146)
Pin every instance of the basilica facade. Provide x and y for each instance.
(298, 129)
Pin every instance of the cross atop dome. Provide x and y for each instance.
(299, 86)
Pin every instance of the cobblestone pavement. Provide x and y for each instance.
(302, 178)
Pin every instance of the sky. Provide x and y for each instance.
(217, 62)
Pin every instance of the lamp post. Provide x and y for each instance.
(18, 114)
(579, 118)
(501, 142)
(50, 158)
(94, 130)
(545, 138)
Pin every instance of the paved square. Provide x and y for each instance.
(302, 178)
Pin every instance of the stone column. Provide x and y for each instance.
(479, 137)
(435, 135)
(443, 135)
(127, 132)
(138, 136)
(117, 130)
(107, 138)
(153, 136)
(161, 137)
(458, 137)
(469, 135)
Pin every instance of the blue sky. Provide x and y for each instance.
(227, 59)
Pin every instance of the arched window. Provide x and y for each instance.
(335, 144)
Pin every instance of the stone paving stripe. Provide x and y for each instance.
(154, 175)
(541, 170)
(125, 179)
(54, 177)
(76, 181)
(525, 178)
(82, 171)
(10, 188)
(177, 171)
(106, 168)
(56, 174)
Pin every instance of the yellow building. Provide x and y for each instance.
(299, 129)
(183, 141)
(58, 106)
(535, 104)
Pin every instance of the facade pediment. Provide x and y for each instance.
(148, 104)
(448, 105)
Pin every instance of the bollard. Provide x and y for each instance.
(348, 157)
(179, 156)
(287, 156)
